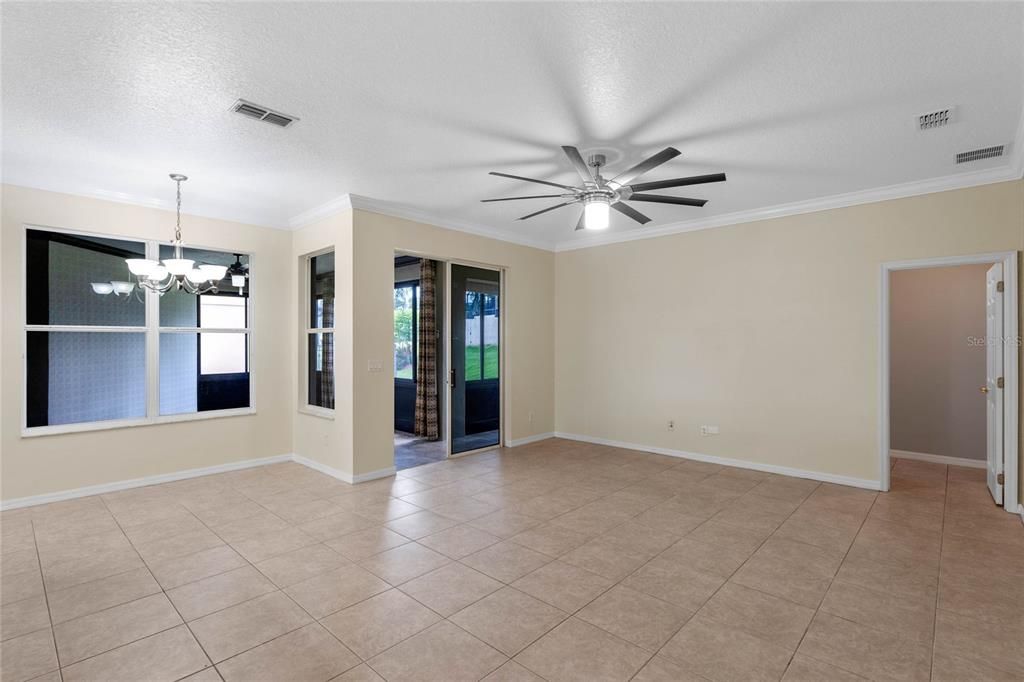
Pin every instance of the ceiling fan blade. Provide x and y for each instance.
(627, 176)
(678, 182)
(549, 208)
(631, 212)
(581, 224)
(579, 164)
(662, 199)
(535, 196)
(542, 182)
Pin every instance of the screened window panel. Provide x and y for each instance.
(321, 370)
(321, 291)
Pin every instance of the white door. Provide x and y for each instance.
(994, 373)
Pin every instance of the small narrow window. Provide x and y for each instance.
(320, 331)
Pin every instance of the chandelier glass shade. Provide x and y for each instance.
(176, 273)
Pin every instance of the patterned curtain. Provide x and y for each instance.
(426, 423)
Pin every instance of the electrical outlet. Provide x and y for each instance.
(374, 366)
(671, 425)
(707, 430)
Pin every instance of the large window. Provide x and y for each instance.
(91, 337)
(320, 331)
(407, 297)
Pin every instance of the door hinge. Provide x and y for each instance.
(1000, 478)
(999, 287)
(999, 382)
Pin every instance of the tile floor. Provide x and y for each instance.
(557, 561)
(411, 451)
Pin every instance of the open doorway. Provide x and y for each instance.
(418, 362)
(950, 349)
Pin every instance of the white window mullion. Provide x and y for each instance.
(152, 343)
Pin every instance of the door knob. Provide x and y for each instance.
(983, 389)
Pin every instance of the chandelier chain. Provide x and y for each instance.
(177, 229)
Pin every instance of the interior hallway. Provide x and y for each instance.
(555, 560)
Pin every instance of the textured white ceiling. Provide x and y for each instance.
(414, 103)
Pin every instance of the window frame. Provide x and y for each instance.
(304, 406)
(151, 330)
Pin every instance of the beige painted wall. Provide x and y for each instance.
(323, 439)
(32, 466)
(768, 330)
(935, 405)
(529, 310)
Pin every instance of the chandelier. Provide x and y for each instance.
(176, 273)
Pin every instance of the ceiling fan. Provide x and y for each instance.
(598, 195)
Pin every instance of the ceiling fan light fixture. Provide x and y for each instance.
(596, 213)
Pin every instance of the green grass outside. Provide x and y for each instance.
(472, 364)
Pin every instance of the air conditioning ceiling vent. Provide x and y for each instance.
(935, 119)
(263, 113)
(979, 154)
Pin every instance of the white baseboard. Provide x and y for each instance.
(104, 488)
(343, 475)
(514, 443)
(939, 459)
(727, 461)
(1020, 510)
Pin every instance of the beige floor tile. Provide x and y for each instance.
(168, 655)
(804, 669)
(720, 560)
(365, 543)
(183, 570)
(360, 673)
(993, 645)
(104, 593)
(18, 586)
(27, 657)
(662, 669)
(989, 595)
(550, 539)
(260, 523)
(163, 529)
(579, 651)
(948, 668)
(267, 545)
(336, 525)
(504, 523)
(837, 538)
(913, 618)
(508, 620)
(728, 535)
(900, 580)
(564, 586)
(868, 652)
(205, 675)
(441, 652)
(722, 653)
(233, 630)
(636, 617)
(665, 517)
(300, 564)
(591, 520)
(512, 672)
(22, 617)
(373, 625)
(770, 618)
(104, 630)
(309, 653)
(450, 588)
(77, 571)
(80, 547)
(178, 545)
(792, 570)
(606, 557)
(404, 563)
(205, 596)
(464, 509)
(335, 590)
(506, 561)
(675, 583)
(459, 541)
(420, 524)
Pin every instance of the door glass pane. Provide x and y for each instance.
(473, 336)
(490, 327)
(78, 377)
(61, 271)
(475, 349)
(405, 322)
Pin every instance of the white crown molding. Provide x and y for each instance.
(868, 196)
(728, 461)
(324, 210)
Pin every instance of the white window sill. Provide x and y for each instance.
(314, 411)
(59, 429)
